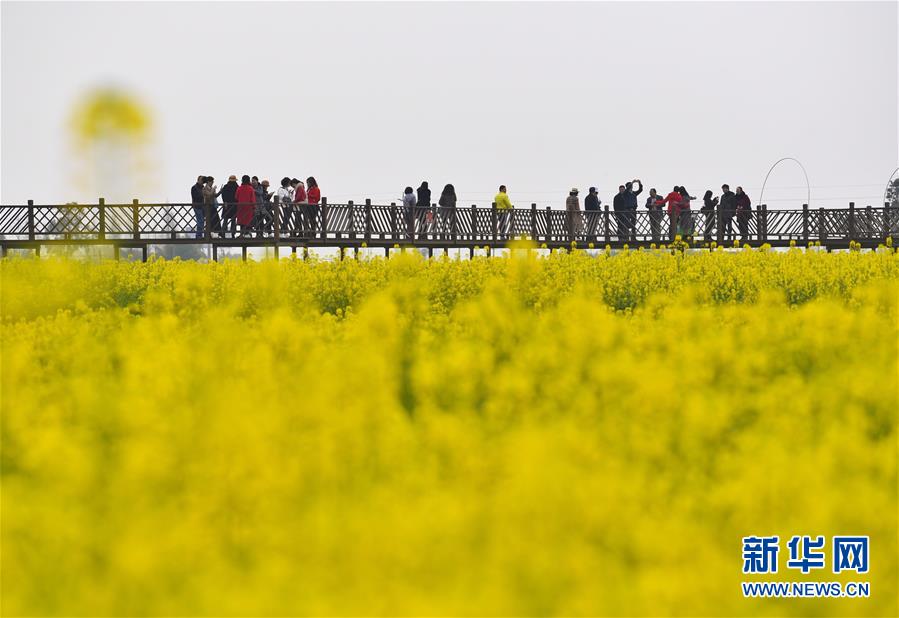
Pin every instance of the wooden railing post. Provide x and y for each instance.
(324, 207)
(101, 205)
(474, 222)
(719, 225)
(207, 221)
(352, 209)
(534, 222)
(493, 217)
(454, 224)
(549, 226)
(887, 223)
(276, 223)
(367, 220)
(606, 224)
(805, 224)
(851, 230)
(393, 220)
(30, 219)
(822, 226)
(869, 224)
(135, 220)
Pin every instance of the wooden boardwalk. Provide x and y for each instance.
(351, 225)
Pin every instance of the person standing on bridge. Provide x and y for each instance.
(299, 204)
(503, 208)
(409, 211)
(210, 199)
(619, 205)
(591, 211)
(246, 206)
(229, 211)
(631, 201)
(744, 213)
(447, 205)
(196, 199)
(673, 200)
(284, 201)
(685, 219)
(313, 197)
(573, 208)
(424, 208)
(654, 205)
(727, 208)
(267, 211)
(708, 209)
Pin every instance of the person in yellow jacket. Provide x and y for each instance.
(503, 209)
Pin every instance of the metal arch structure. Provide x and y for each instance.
(808, 187)
(891, 190)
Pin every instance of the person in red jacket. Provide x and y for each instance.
(673, 200)
(313, 197)
(246, 204)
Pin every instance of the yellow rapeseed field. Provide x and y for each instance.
(572, 435)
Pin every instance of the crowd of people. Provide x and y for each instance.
(295, 206)
(252, 206)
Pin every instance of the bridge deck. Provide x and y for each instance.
(352, 225)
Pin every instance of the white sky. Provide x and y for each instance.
(371, 97)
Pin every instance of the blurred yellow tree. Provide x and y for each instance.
(111, 130)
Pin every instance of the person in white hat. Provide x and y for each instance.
(573, 206)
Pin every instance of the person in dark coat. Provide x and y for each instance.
(447, 205)
(425, 216)
(591, 212)
(196, 199)
(631, 202)
(727, 208)
(229, 210)
(744, 213)
(708, 209)
(619, 205)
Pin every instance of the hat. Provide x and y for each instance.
(574, 189)
(232, 177)
(592, 189)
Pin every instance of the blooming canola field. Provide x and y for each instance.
(570, 435)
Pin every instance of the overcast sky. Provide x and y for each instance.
(371, 97)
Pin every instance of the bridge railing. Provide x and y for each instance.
(354, 223)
